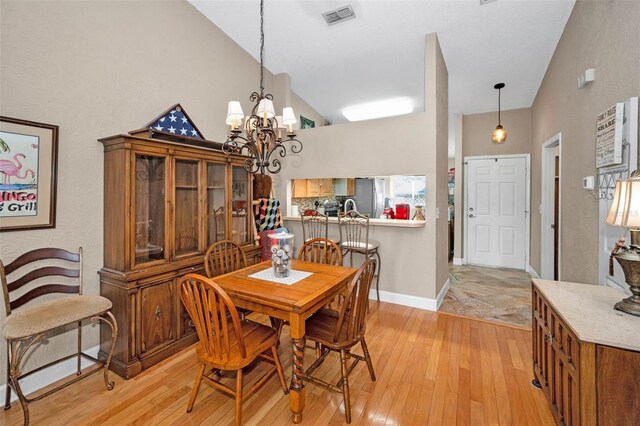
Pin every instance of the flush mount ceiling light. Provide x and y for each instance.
(379, 109)
(499, 134)
(263, 128)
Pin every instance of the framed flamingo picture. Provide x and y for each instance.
(28, 174)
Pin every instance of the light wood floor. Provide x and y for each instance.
(432, 368)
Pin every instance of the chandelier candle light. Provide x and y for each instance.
(264, 130)
(499, 135)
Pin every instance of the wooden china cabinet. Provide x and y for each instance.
(164, 203)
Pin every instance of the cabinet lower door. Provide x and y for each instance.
(157, 316)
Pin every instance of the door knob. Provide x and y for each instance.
(472, 216)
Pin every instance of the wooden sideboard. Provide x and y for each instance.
(586, 356)
(164, 204)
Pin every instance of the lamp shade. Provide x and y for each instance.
(625, 210)
(235, 110)
(266, 107)
(288, 116)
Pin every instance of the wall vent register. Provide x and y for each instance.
(339, 15)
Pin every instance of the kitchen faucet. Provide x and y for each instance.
(352, 202)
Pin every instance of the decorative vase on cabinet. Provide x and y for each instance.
(165, 202)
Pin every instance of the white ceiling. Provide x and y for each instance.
(380, 53)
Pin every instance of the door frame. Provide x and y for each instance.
(527, 199)
(547, 204)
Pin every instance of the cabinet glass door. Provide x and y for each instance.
(150, 184)
(240, 206)
(186, 207)
(216, 183)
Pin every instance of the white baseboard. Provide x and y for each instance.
(412, 301)
(458, 261)
(532, 272)
(49, 375)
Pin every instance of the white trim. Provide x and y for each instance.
(412, 301)
(547, 187)
(532, 272)
(527, 207)
(49, 375)
(459, 261)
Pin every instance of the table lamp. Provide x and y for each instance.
(625, 212)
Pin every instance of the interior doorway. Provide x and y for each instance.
(497, 211)
(550, 230)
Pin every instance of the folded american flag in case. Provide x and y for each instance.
(175, 121)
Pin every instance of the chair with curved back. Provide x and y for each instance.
(354, 238)
(48, 271)
(321, 250)
(340, 331)
(223, 257)
(314, 225)
(225, 341)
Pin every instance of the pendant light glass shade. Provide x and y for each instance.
(499, 135)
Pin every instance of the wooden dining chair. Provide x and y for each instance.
(339, 331)
(45, 272)
(314, 225)
(223, 257)
(321, 250)
(226, 341)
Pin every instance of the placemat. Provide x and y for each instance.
(294, 276)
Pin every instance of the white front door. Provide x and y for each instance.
(496, 212)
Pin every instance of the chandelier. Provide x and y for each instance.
(263, 129)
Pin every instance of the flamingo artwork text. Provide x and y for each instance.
(19, 155)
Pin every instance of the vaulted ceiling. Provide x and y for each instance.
(380, 53)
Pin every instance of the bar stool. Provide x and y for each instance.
(354, 238)
(314, 225)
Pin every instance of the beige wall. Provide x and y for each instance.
(101, 68)
(477, 129)
(413, 262)
(601, 35)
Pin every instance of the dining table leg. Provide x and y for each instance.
(296, 395)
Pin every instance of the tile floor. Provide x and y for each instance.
(501, 295)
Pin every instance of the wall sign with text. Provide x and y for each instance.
(28, 172)
(609, 136)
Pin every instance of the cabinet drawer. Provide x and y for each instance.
(157, 316)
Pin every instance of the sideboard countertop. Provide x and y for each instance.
(588, 310)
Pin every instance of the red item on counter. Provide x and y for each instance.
(388, 213)
(402, 211)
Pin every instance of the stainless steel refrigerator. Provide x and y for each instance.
(369, 196)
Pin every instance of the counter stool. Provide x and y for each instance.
(314, 225)
(354, 238)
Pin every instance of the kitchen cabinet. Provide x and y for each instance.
(165, 202)
(306, 188)
(344, 187)
(586, 356)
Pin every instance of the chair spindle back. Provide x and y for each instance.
(213, 313)
(321, 250)
(223, 257)
(354, 308)
(314, 225)
(73, 271)
(354, 229)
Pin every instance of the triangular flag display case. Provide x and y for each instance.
(175, 125)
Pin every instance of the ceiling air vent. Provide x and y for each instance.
(341, 14)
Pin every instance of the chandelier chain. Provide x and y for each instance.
(261, 48)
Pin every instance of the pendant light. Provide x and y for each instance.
(499, 134)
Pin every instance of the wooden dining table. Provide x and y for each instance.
(294, 303)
